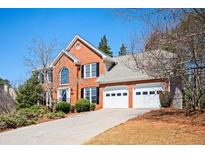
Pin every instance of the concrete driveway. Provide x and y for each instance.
(75, 129)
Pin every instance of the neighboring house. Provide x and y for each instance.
(83, 71)
(7, 98)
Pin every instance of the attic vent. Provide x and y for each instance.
(77, 46)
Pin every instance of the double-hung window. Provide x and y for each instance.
(90, 70)
(91, 94)
(41, 78)
(87, 93)
(50, 75)
(87, 71)
(94, 95)
(94, 69)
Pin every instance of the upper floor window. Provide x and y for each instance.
(90, 70)
(94, 70)
(41, 78)
(87, 71)
(50, 75)
(64, 75)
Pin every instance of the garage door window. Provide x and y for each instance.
(113, 94)
(118, 94)
(138, 93)
(124, 94)
(152, 92)
(107, 95)
(159, 91)
(145, 93)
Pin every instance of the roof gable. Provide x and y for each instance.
(77, 37)
(72, 57)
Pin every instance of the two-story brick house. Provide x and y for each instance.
(83, 71)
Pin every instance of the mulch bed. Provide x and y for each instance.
(174, 115)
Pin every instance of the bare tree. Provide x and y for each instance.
(39, 58)
(182, 33)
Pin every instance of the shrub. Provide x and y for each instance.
(50, 115)
(32, 113)
(82, 105)
(92, 106)
(165, 99)
(54, 115)
(186, 99)
(7, 121)
(72, 108)
(63, 106)
(27, 116)
(14, 121)
(60, 114)
(202, 104)
(23, 121)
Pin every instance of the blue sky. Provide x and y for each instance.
(19, 26)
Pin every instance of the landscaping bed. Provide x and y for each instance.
(174, 115)
(163, 126)
(37, 114)
(27, 116)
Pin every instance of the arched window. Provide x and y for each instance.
(64, 75)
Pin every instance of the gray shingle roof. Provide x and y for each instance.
(125, 70)
(122, 71)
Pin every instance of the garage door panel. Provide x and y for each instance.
(147, 96)
(116, 98)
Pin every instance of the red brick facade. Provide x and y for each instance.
(86, 55)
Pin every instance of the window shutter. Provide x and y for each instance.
(82, 93)
(82, 71)
(97, 69)
(97, 89)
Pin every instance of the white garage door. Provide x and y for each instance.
(115, 97)
(147, 95)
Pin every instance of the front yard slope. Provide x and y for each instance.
(163, 126)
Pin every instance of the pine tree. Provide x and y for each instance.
(29, 93)
(123, 50)
(103, 46)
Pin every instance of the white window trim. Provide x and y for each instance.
(91, 74)
(68, 76)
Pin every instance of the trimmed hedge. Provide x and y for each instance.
(92, 106)
(63, 106)
(165, 99)
(72, 108)
(82, 105)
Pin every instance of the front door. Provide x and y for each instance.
(64, 94)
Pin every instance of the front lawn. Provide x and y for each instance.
(164, 126)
